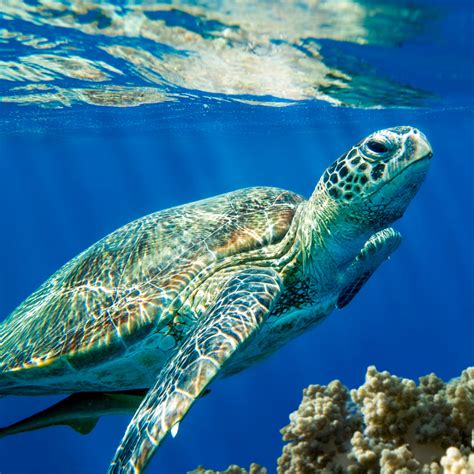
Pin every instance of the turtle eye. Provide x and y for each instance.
(377, 146)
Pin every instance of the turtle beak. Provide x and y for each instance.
(422, 146)
(417, 152)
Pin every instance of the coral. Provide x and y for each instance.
(455, 463)
(405, 428)
(319, 430)
(389, 425)
(232, 469)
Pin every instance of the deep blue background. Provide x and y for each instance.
(68, 177)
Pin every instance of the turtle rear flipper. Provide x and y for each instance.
(240, 309)
(79, 411)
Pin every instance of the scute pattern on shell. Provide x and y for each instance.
(138, 277)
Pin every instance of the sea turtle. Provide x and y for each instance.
(174, 299)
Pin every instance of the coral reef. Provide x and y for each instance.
(319, 430)
(396, 427)
(389, 425)
(233, 469)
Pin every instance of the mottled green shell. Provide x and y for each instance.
(135, 279)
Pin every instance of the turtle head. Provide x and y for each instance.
(373, 183)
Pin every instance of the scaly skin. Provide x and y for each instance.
(175, 299)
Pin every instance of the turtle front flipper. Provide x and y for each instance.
(375, 251)
(238, 312)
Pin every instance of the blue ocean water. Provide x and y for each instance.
(80, 157)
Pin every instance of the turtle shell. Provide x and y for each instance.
(132, 281)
